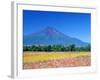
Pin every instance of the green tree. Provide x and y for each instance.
(72, 47)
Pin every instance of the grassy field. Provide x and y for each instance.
(31, 59)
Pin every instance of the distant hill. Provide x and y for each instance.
(51, 36)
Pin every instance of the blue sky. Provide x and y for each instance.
(72, 24)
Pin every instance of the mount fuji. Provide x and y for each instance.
(51, 36)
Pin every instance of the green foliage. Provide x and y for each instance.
(56, 48)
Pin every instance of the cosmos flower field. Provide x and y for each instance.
(36, 60)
